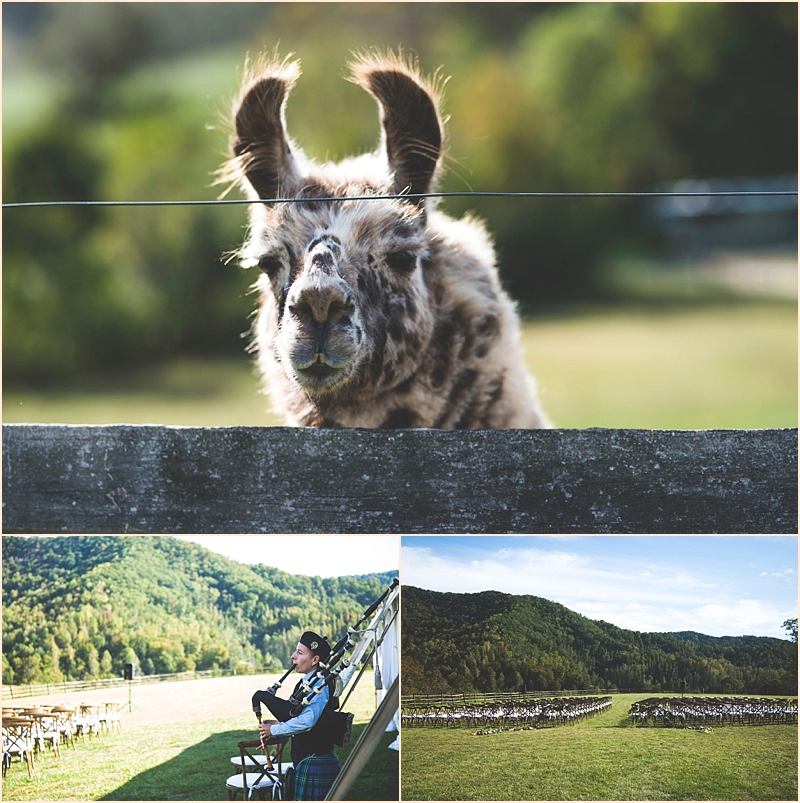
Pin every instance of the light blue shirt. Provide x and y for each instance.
(307, 718)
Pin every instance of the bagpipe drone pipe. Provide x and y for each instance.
(334, 724)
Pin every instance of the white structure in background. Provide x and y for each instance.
(387, 664)
(380, 640)
(696, 225)
(744, 243)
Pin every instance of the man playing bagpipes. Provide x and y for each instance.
(314, 726)
(309, 716)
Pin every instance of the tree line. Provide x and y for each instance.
(76, 608)
(460, 643)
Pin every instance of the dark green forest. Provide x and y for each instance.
(79, 607)
(491, 641)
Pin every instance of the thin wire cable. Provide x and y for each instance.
(224, 201)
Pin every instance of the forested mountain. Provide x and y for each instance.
(77, 607)
(501, 642)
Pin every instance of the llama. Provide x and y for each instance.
(372, 313)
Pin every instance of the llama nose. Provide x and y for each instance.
(321, 296)
(320, 303)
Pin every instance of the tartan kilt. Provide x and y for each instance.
(314, 776)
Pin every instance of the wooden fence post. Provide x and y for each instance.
(154, 479)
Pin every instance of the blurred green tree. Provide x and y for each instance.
(622, 97)
(544, 96)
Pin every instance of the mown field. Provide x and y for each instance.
(176, 744)
(700, 366)
(604, 758)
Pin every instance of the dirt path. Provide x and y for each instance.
(193, 700)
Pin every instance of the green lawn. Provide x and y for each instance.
(176, 745)
(182, 761)
(691, 367)
(604, 758)
(188, 392)
(702, 367)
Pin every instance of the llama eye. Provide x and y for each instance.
(402, 262)
(269, 265)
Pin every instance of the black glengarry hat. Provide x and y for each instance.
(316, 643)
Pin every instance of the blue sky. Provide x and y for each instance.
(323, 555)
(717, 585)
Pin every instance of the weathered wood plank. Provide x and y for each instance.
(153, 479)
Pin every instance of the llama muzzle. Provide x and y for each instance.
(320, 328)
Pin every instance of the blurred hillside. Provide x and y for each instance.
(124, 101)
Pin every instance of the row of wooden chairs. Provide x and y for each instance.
(717, 711)
(29, 730)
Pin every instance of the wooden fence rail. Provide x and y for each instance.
(412, 700)
(156, 479)
(45, 689)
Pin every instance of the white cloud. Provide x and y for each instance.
(737, 618)
(659, 598)
(553, 574)
(742, 617)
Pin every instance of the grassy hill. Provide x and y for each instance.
(77, 607)
(494, 642)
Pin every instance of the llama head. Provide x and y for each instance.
(344, 307)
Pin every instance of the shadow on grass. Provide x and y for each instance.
(197, 773)
(200, 772)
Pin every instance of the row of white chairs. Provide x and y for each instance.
(29, 730)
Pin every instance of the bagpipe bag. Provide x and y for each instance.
(336, 725)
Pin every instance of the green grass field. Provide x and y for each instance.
(676, 367)
(177, 745)
(173, 762)
(604, 758)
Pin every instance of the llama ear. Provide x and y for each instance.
(260, 148)
(412, 127)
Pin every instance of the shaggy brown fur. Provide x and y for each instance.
(373, 313)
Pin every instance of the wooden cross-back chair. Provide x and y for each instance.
(88, 720)
(260, 771)
(18, 740)
(64, 721)
(45, 729)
